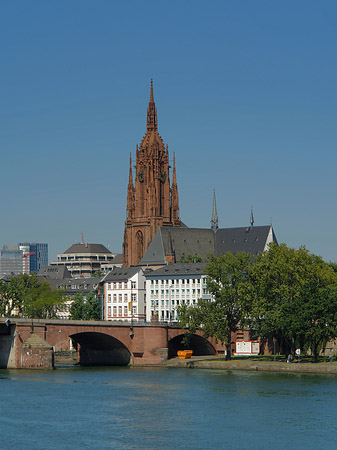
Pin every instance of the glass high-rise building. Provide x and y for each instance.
(39, 256)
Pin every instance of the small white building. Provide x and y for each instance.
(171, 286)
(124, 294)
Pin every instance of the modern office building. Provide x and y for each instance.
(12, 261)
(36, 255)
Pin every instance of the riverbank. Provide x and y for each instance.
(220, 363)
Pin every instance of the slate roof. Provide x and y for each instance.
(178, 269)
(54, 272)
(243, 239)
(87, 248)
(121, 273)
(179, 241)
(203, 241)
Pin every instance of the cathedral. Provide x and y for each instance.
(154, 234)
(152, 201)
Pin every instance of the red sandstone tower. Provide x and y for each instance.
(151, 201)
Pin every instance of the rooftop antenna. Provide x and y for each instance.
(82, 237)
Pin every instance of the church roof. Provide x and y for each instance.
(243, 239)
(180, 242)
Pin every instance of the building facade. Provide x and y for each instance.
(171, 286)
(152, 201)
(12, 261)
(36, 255)
(84, 260)
(124, 294)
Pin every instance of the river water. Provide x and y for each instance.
(164, 409)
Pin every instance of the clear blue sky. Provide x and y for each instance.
(246, 98)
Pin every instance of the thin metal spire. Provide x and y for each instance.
(214, 218)
(251, 217)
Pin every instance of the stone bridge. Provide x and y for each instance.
(30, 343)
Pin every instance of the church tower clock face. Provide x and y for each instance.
(152, 201)
(141, 176)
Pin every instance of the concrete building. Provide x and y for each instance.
(12, 261)
(84, 260)
(123, 291)
(171, 286)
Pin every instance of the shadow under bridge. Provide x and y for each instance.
(99, 349)
(198, 344)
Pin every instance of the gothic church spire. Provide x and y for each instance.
(214, 218)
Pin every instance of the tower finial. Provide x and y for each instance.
(151, 93)
(251, 217)
(214, 218)
(151, 112)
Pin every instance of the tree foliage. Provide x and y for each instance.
(191, 259)
(85, 309)
(29, 296)
(228, 285)
(294, 298)
(284, 294)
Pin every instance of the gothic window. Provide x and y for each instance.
(139, 245)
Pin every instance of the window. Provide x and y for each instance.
(125, 310)
(115, 298)
(109, 311)
(182, 281)
(166, 282)
(162, 292)
(134, 297)
(133, 284)
(152, 291)
(156, 281)
(162, 303)
(120, 285)
(115, 310)
(134, 310)
(115, 285)
(125, 284)
(125, 297)
(152, 282)
(119, 310)
(120, 298)
(109, 298)
(187, 281)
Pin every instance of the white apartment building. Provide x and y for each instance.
(124, 294)
(171, 286)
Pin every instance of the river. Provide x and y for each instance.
(165, 409)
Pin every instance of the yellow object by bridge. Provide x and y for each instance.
(184, 354)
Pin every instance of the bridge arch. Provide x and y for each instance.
(200, 346)
(100, 349)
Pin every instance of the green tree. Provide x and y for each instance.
(85, 309)
(229, 306)
(29, 296)
(289, 294)
(191, 259)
